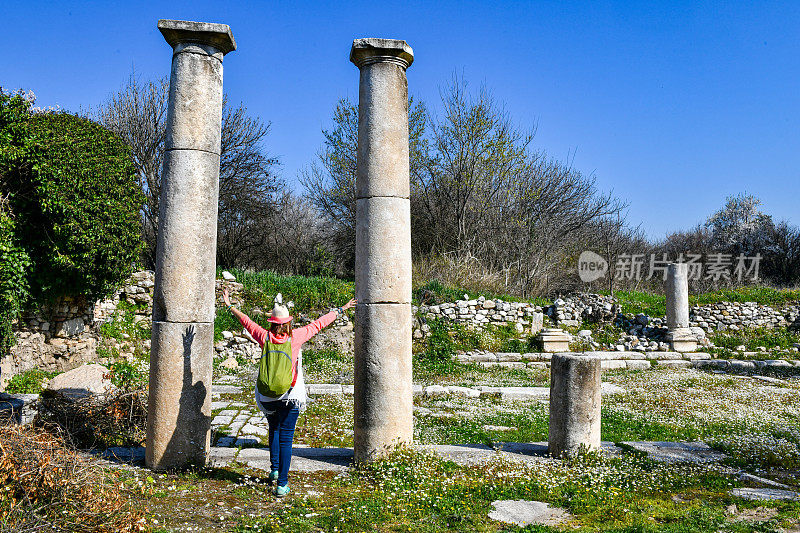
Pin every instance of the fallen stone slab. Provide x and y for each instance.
(765, 494)
(525, 512)
(674, 363)
(674, 452)
(321, 389)
(83, 381)
(696, 356)
(219, 456)
(18, 408)
(225, 389)
(303, 459)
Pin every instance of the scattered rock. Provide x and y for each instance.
(230, 363)
(82, 381)
(227, 276)
(524, 513)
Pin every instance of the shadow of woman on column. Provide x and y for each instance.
(189, 440)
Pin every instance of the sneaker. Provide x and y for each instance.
(273, 476)
(281, 491)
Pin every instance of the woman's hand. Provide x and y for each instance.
(349, 304)
(225, 297)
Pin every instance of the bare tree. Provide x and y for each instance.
(249, 191)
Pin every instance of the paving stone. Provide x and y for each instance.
(228, 412)
(226, 441)
(765, 494)
(524, 513)
(319, 389)
(637, 364)
(435, 390)
(464, 391)
(219, 405)
(219, 456)
(663, 356)
(696, 356)
(675, 363)
(672, 452)
(225, 389)
(221, 420)
(250, 429)
(246, 441)
(612, 364)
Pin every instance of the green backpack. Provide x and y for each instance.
(277, 370)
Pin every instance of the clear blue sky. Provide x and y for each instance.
(672, 105)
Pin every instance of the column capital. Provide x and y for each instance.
(375, 50)
(177, 32)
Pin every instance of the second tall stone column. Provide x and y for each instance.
(383, 398)
(179, 408)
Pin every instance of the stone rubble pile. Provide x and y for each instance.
(734, 316)
(483, 311)
(574, 310)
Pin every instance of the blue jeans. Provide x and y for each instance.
(281, 434)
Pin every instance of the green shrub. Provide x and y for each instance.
(72, 188)
(28, 382)
(14, 263)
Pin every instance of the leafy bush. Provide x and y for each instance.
(29, 382)
(74, 199)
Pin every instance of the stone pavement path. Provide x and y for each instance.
(242, 424)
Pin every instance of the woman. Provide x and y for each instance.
(282, 412)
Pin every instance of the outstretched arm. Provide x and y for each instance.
(301, 335)
(258, 333)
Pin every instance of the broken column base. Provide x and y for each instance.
(553, 340)
(682, 340)
(575, 391)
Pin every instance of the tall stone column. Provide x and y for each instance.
(575, 390)
(383, 393)
(179, 408)
(676, 289)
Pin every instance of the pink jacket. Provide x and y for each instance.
(299, 335)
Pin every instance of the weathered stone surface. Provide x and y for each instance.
(383, 250)
(575, 392)
(382, 378)
(179, 407)
(18, 408)
(676, 289)
(553, 340)
(194, 115)
(70, 328)
(187, 236)
(383, 166)
(176, 32)
(695, 452)
(524, 513)
(82, 381)
(765, 494)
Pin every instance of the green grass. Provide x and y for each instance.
(413, 491)
(310, 294)
(633, 302)
(28, 382)
(435, 292)
(751, 339)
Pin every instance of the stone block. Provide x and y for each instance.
(18, 408)
(553, 340)
(82, 381)
(383, 250)
(634, 364)
(382, 378)
(611, 364)
(575, 395)
(675, 363)
(187, 237)
(179, 407)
